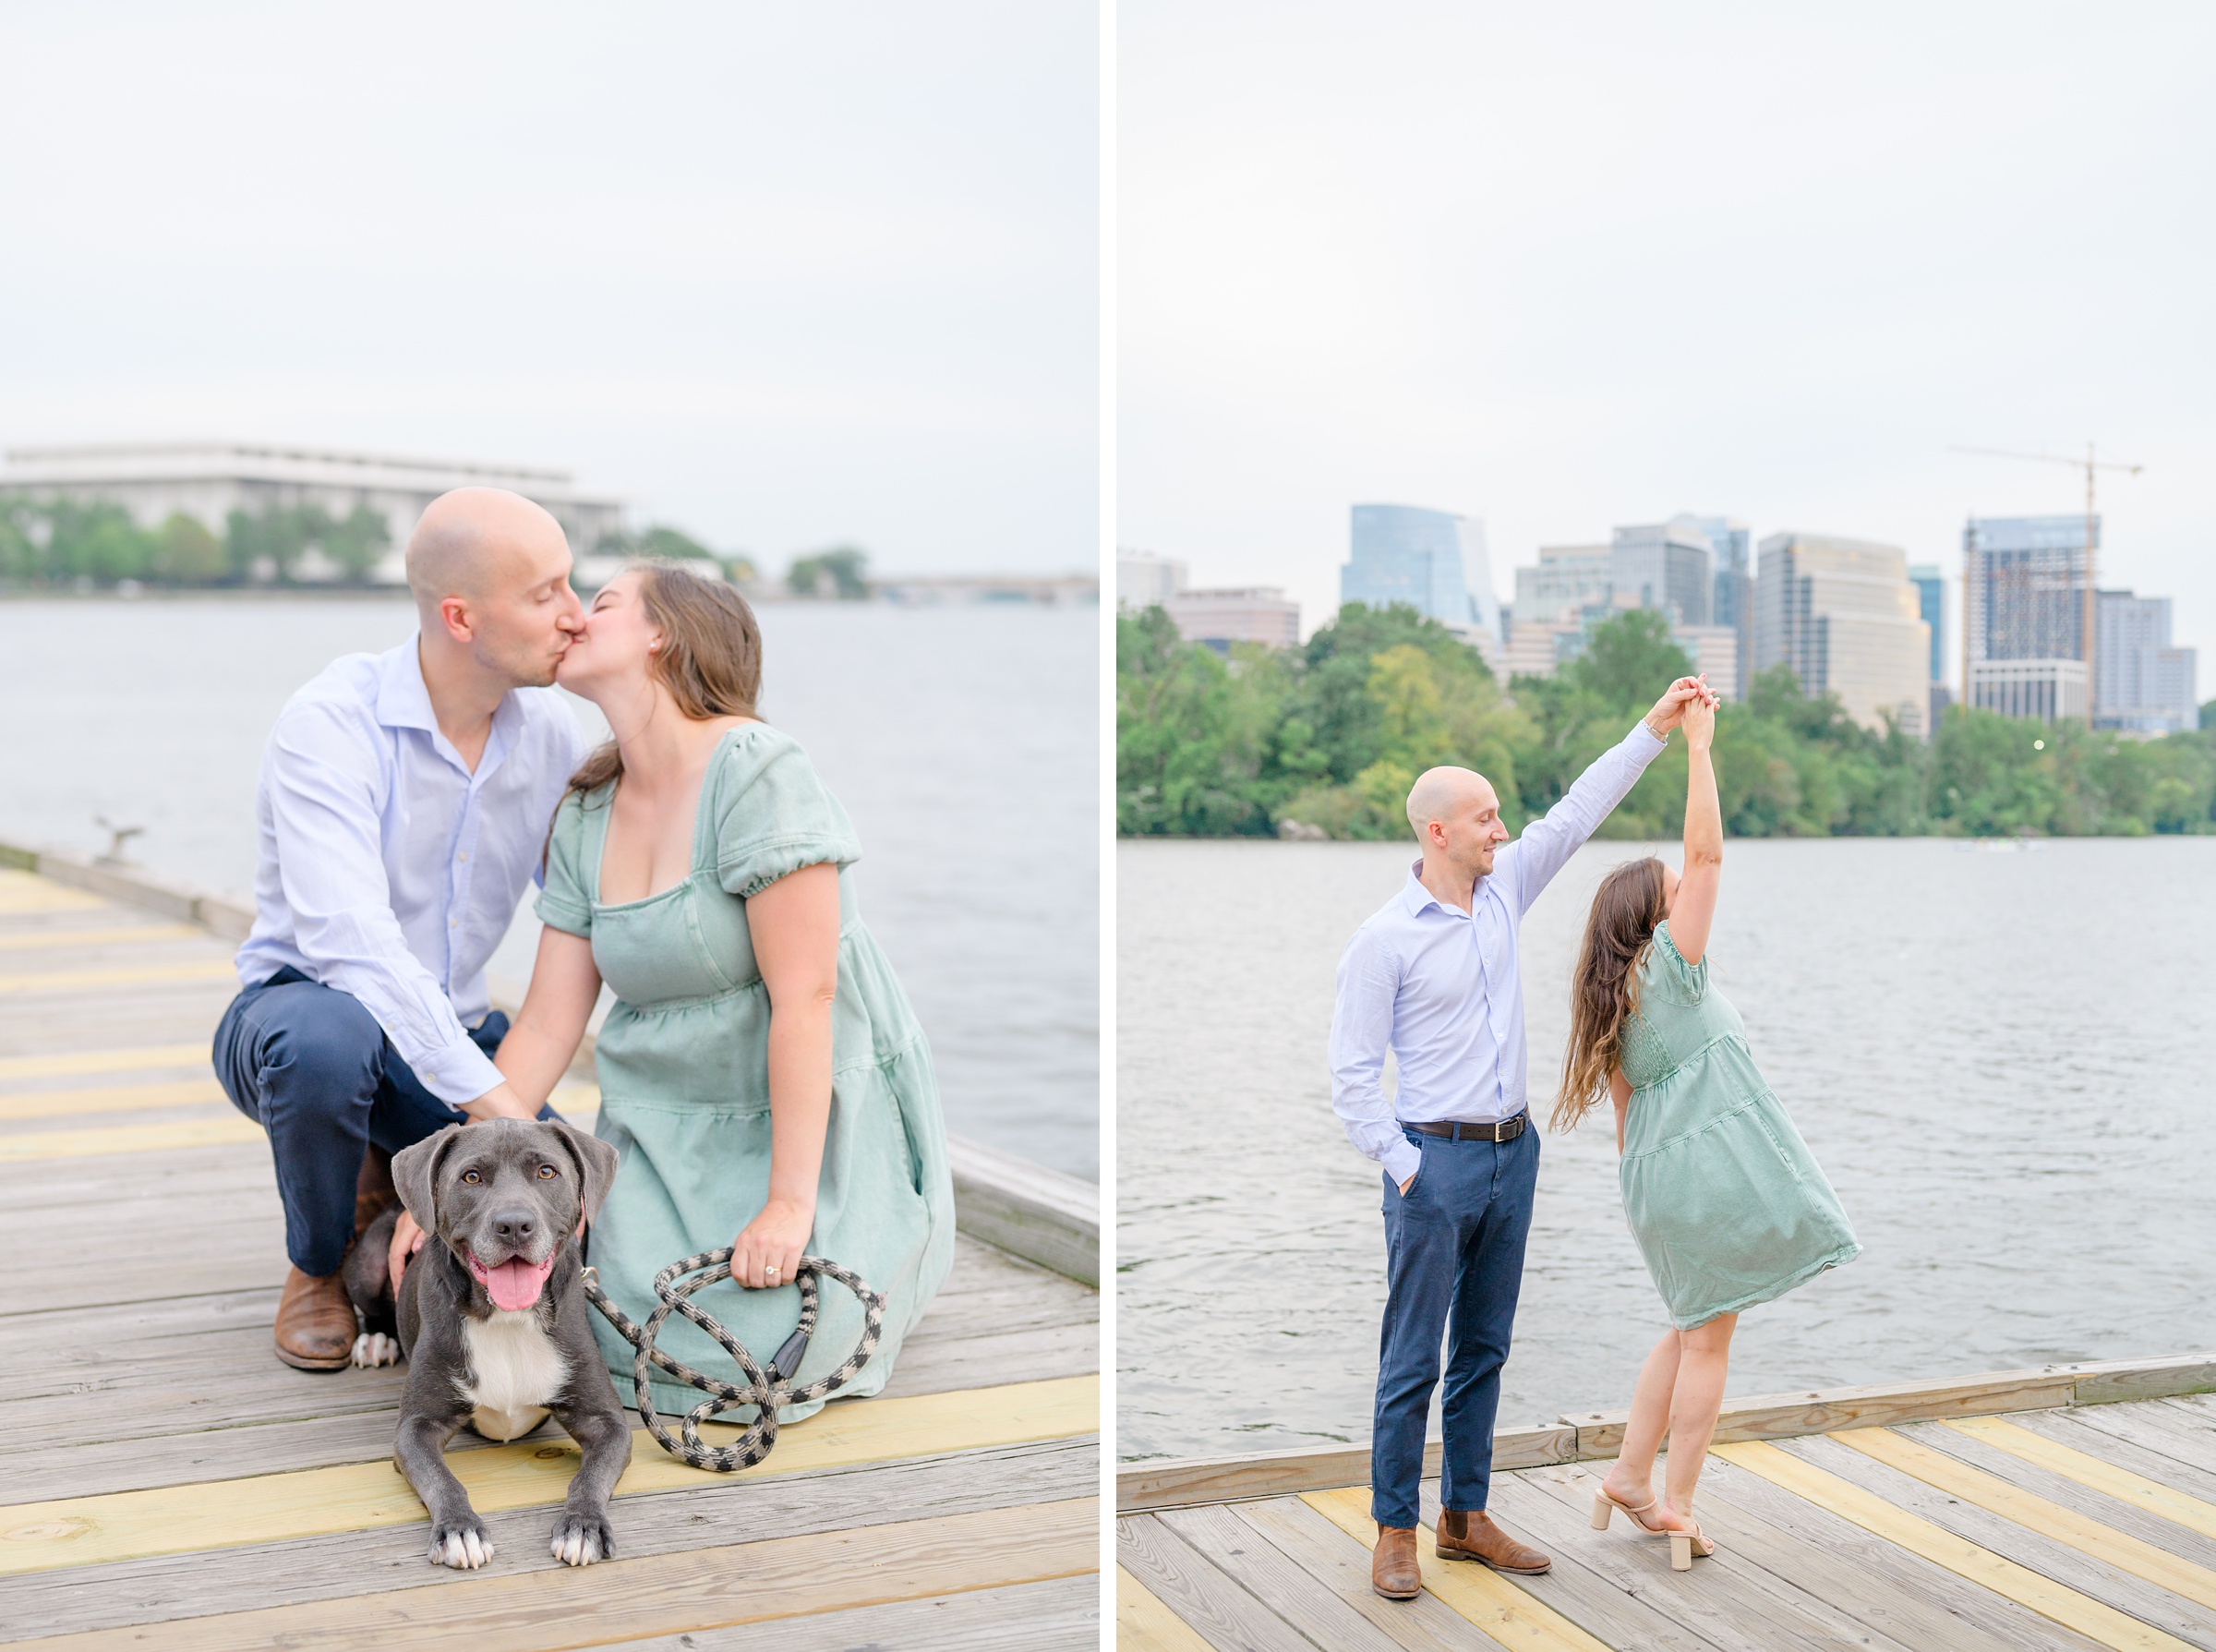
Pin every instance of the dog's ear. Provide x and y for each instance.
(597, 1163)
(416, 1173)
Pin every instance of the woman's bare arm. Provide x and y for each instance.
(794, 923)
(1693, 912)
(1619, 1093)
(565, 985)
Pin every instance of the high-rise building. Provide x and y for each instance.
(1261, 614)
(1842, 614)
(1733, 602)
(2026, 609)
(1669, 565)
(2141, 683)
(1930, 602)
(1432, 561)
(1568, 580)
(1144, 580)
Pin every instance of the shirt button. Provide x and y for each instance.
(462, 856)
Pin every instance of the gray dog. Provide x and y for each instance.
(492, 1319)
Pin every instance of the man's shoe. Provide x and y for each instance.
(1393, 1569)
(374, 1193)
(1472, 1535)
(315, 1323)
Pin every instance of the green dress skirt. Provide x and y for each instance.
(684, 1080)
(1728, 1204)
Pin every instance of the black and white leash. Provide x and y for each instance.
(767, 1390)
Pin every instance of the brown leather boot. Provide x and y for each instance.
(374, 1193)
(1393, 1569)
(1472, 1535)
(315, 1323)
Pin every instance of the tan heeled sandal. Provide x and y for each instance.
(1604, 1503)
(1683, 1546)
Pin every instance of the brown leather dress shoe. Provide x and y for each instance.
(315, 1323)
(1472, 1535)
(1393, 1569)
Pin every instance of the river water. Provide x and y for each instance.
(2002, 1060)
(963, 741)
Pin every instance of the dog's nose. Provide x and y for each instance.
(515, 1227)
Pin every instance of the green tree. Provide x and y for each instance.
(1194, 733)
(670, 544)
(845, 567)
(96, 540)
(357, 544)
(185, 553)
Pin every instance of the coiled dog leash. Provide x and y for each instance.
(765, 1390)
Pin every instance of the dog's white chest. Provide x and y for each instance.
(514, 1369)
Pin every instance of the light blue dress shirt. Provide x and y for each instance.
(1443, 989)
(387, 868)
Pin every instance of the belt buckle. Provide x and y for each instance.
(1498, 1123)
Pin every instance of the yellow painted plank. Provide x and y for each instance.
(34, 940)
(1486, 1598)
(2034, 1513)
(788, 1579)
(109, 1098)
(105, 1061)
(84, 1531)
(2093, 1619)
(36, 894)
(66, 980)
(94, 1140)
(2104, 1477)
(577, 1102)
(1144, 1624)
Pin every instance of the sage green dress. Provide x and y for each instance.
(684, 1080)
(1724, 1199)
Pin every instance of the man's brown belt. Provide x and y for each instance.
(1506, 1129)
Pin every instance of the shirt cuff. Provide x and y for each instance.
(1402, 1160)
(458, 1073)
(1645, 749)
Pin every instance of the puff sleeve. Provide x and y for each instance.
(776, 815)
(566, 901)
(1666, 967)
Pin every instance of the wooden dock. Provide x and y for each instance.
(169, 1485)
(2070, 1507)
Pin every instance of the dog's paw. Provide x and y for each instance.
(580, 1539)
(374, 1347)
(464, 1544)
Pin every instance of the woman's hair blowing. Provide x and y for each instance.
(1604, 989)
(710, 658)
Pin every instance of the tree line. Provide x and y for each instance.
(1329, 737)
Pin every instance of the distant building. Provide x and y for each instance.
(1432, 561)
(1568, 580)
(208, 480)
(1733, 603)
(1842, 615)
(2027, 604)
(1931, 603)
(1669, 565)
(1715, 651)
(1250, 614)
(2141, 683)
(1144, 580)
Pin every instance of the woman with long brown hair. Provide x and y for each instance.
(761, 1073)
(1728, 1204)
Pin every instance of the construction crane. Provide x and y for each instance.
(2092, 464)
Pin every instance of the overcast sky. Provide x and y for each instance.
(1565, 267)
(785, 276)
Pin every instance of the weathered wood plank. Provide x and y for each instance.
(1225, 1615)
(1730, 1599)
(1060, 1615)
(2118, 1434)
(1894, 1589)
(1028, 1209)
(1180, 1482)
(2008, 1449)
(1258, 1566)
(752, 1582)
(1144, 1624)
(1328, 1555)
(338, 1565)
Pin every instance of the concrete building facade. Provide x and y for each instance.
(1568, 580)
(1668, 565)
(1144, 580)
(1261, 614)
(1432, 561)
(1733, 603)
(2141, 683)
(1842, 615)
(2026, 602)
(208, 480)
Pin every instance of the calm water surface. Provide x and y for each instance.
(2002, 1060)
(962, 740)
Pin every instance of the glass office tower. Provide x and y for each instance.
(1433, 560)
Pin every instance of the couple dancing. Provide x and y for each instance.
(1728, 1206)
(762, 1077)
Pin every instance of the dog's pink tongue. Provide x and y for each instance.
(516, 1283)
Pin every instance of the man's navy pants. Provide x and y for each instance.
(1454, 1250)
(311, 1066)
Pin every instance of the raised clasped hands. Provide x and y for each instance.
(1699, 720)
(1669, 710)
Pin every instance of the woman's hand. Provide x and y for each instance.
(1700, 724)
(768, 1251)
(407, 1239)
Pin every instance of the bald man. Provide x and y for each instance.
(1434, 977)
(403, 800)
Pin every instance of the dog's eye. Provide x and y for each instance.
(546, 1173)
(472, 1177)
